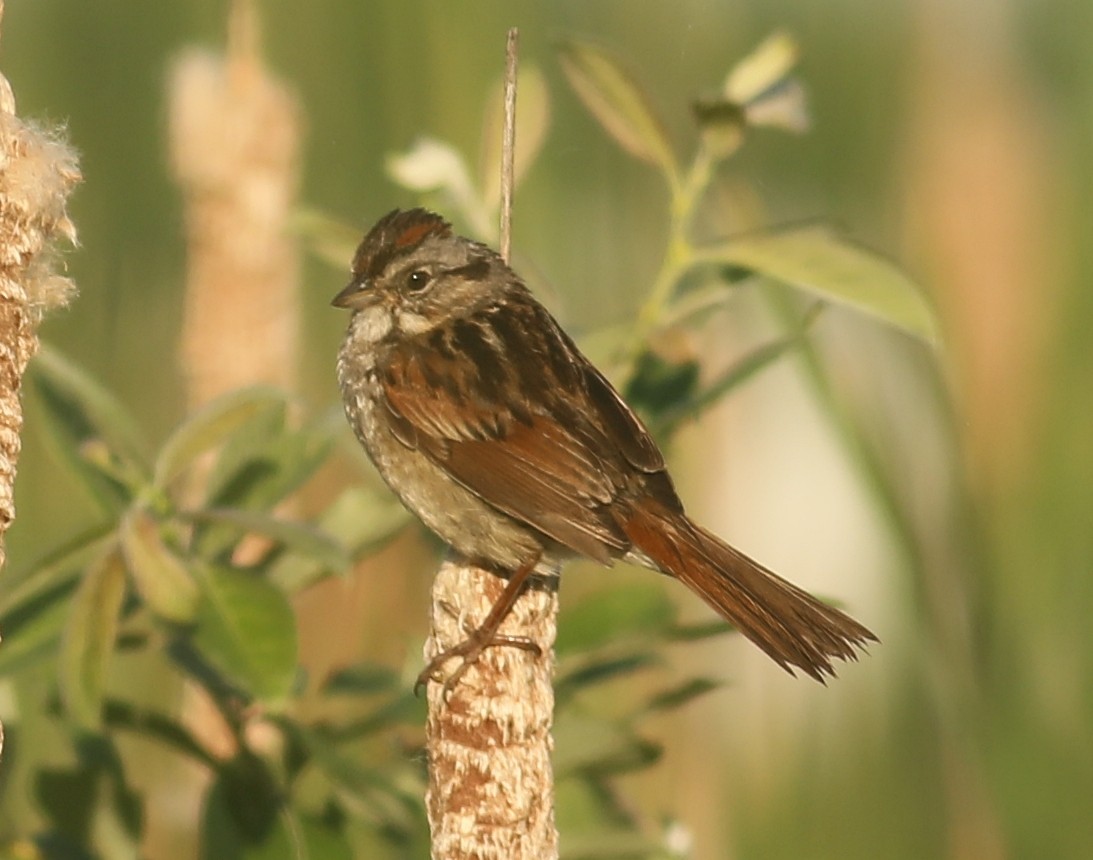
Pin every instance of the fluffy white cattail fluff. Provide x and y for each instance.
(38, 170)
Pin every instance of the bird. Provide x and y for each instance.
(489, 424)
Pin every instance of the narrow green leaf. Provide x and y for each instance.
(405, 709)
(87, 644)
(33, 629)
(229, 480)
(125, 716)
(245, 628)
(91, 801)
(602, 671)
(161, 578)
(698, 631)
(361, 520)
(367, 793)
(302, 538)
(60, 567)
(586, 745)
(101, 410)
(264, 461)
(93, 433)
(362, 679)
(619, 104)
(209, 427)
(680, 695)
(33, 612)
(261, 463)
(816, 260)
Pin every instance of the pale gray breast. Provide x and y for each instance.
(460, 518)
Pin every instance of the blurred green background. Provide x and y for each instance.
(952, 137)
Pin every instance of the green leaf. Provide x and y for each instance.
(362, 679)
(676, 697)
(93, 432)
(659, 386)
(229, 481)
(816, 260)
(246, 629)
(638, 610)
(585, 745)
(209, 427)
(405, 709)
(33, 612)
(91, 802)
(619, 104)
(60, 567)
(366, 792)
(602, 671)
(243, 816)
(324, 841)
(698, 631)
(120, 715)
(160, 577)
(32, 630)
(302, 538)
(264, 460)
(360, 520)
(87, 644)
(102, 411)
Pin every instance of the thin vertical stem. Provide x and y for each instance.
(508, 142)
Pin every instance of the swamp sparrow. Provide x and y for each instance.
(490, 425)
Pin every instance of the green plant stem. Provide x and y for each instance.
(679, 255)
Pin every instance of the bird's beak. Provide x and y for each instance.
(351, 295)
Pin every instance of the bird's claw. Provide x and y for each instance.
(469, 650)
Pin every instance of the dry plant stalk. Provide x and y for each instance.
(491, 784)
(38, 170)
(491, 793)
(234, 137)
(235, 142)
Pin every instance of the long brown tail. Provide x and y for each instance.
(792, 626)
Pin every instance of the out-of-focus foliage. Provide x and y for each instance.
(952, 136)
(172, 577)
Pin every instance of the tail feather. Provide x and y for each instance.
(790, 625)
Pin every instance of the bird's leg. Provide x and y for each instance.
(486, 634)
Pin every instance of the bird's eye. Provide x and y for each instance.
(418, 279)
